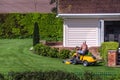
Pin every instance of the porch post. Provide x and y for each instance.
(64, 33)
(101, 31)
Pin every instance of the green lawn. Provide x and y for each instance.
(15, 56)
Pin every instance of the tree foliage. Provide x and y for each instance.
(54, 9)
(16, 25)
(52, 1)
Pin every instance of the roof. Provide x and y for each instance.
(25, 6)
(88, 6)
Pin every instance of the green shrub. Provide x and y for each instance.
(64, 53)
(2, 77)
(88, 75)
(115, 77)
(53, 52)
(60, 75)
(38, 49)
(71, 53)
(48, 75)
(41, 49)
(105, 46)
(45, 50)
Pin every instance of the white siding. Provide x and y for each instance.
(79, 30)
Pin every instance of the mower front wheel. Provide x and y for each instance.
(85, 63)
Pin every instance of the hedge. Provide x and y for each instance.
(17, 25)
(60, 75)
(45, 50)
(40, 75)
(64, 53)
(105, 46)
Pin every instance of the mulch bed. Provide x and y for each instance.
(59, 45)
(54, 43)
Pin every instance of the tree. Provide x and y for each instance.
(36, 34)
(52, 1)
(54, 9)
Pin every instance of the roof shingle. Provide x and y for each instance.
(88, 6)
(25, 6)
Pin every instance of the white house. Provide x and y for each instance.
(93, 21)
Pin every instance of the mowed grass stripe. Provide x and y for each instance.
(15, 56)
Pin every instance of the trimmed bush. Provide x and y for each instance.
(2, 77)
(88, 75)
(53, 52)
(45, 50)
(72, 52)
(41, 49)
(60, 75)
(105, 46)
(64, 53)
(48, 75)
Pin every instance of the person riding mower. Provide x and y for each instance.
(82, 59)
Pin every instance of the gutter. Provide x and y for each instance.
(97, 15)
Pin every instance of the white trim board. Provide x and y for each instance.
(101, 15)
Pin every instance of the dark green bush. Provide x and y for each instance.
(72, 52)
(115, 77)
(105, 46)
(60, 75)
(2, 77)
(53, 52)
(64, 53)
(87, 75)
(41, 49)
(45, 50)
(48, 75)
(37, 49)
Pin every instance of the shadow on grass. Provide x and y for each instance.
(97, 64)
